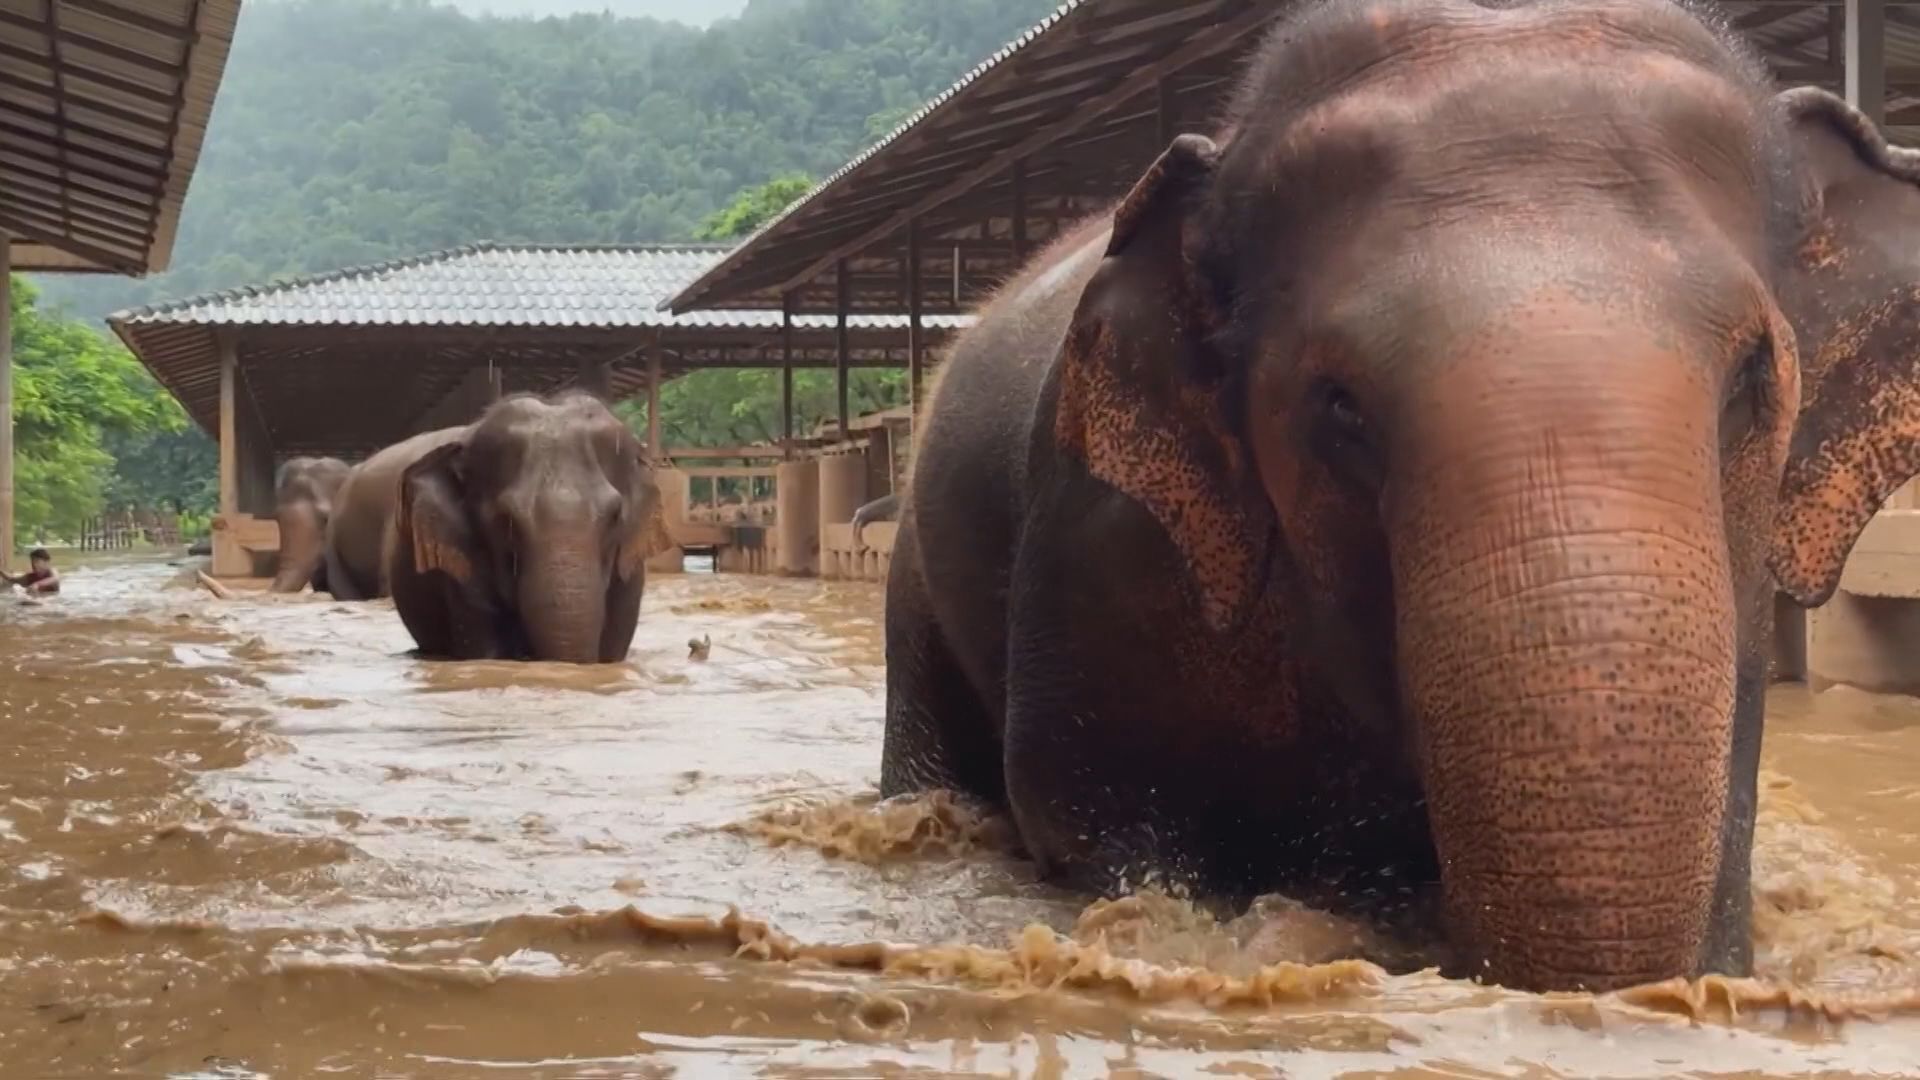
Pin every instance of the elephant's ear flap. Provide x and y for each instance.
(650, 539)
(1140, 400)
(431, 521)
(1850, 287)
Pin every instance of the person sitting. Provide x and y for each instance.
(41, 580)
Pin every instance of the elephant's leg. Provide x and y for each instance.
(1729, 944)
(339, 578)
(939, 733)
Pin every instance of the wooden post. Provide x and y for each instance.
(6, 402)
(1866, 67)
(1020, 211)
(653, 403)
(786, 375)
(913, 316)
(842, 344)
(1168, 111)
(229, 426)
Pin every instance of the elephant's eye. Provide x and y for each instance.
(1746, 387)
(1343, 437)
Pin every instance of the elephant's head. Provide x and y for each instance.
(543, 515)
(303, 500)
(1527, 346)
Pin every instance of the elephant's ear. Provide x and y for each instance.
(1851, 290)
(1140, 402)
(650, 539)
(432, 519)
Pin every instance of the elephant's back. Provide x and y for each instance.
(365, 503)
(969, 468)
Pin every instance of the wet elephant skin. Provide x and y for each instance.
(1393, 489)
(527, 537)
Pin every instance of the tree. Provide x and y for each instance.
(753, 208)
(75, 393)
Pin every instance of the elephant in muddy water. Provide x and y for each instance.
(362, 522)
(303, 501)
(1391, 493)
(527, 536)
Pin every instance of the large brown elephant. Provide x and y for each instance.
(527, 536)
(303, 501)
(360, 529)
(1386, 492)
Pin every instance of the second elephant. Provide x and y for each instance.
(527, 535)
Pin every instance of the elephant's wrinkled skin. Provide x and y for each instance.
(362, 522)
(1388, 493)
(303, 501)
(527, 537)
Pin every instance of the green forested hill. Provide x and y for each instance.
(355, 130)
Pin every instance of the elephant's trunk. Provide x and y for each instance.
(563, 597)
(303, 545)
(1566, 629)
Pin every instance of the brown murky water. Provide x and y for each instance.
(253, 838)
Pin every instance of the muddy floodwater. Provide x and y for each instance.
(254, 838)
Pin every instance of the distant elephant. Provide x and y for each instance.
(1395, 492)
(358, 532)
(303, 501)
(527, 536)
(884, 508)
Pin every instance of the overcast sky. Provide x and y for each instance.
(697, 12)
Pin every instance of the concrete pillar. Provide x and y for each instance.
(843, 489)
(798, 517)
(6, 402)
(1789, 640)
(1868, 642)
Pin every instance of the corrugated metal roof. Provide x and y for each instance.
(103, 108)
(493, 285)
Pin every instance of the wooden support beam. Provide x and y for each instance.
(1019, 185)
(842, 341)
(1167, 112)
(1866, 60)
(653, 402)
(786, 374)
(229, 425)
(6, 402)
(914, 310)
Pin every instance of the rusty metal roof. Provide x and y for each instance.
(492, 285)
(1070, 112)
(103, 108)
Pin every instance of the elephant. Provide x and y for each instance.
(527, 536)
(303, 501)
(359, 531)
(884, 508)
(1419, 456)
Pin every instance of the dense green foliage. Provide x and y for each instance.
(349, 131)
(91, 428)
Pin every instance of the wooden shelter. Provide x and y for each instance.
(347, 362)
(103, 107)
(1062, 120)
